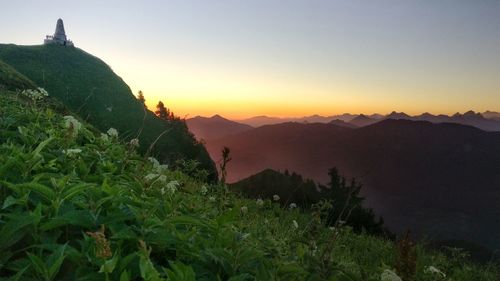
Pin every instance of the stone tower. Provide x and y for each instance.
(59, 37)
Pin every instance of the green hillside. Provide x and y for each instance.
(10, 79)
(87, 86)
(76, 205)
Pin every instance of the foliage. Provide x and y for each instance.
(10, 79)
(77, 204)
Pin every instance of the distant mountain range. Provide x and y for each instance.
(488, 120)
(442, 179)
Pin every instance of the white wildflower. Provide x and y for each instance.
(162, 179)
(245, 236)
(203, 190)
(162, 190)
(37, 94)
(295, 224)
(161, 168)
(389, 275)
(70, 122)
(331, 228)
(293, 206)
(211, 198)
(434, 270)
(260, 202)
(134, 142)
(72, 151)
(341, 222)
(112, 132)
(244, 210)
(104, 137)
(150, 177)
(154, 161)
(172, 186)
(276, 197)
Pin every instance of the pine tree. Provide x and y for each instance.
(162, 111)
(140, 97)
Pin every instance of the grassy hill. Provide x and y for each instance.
(10, 79)
(89, 87)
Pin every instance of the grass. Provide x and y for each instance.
(10, 79)
(80, 205)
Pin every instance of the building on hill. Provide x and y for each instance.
(59, 37)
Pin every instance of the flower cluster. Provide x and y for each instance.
(72, 151)
(36, 94)
(71, 123)
(389, 275)
(259, 202)
(112, 132)
(293, 206)
(433, 270)
(276, 197)
(134, 142)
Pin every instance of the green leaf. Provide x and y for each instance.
(39, 266)
(125, 276)
(180, 272)
(9, 201)
(13, 230)
(109, 265)
(55, 262)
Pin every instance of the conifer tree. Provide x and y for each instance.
(162, 111)
(140, 97)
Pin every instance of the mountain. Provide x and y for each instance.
(291, 188)
(88, 87)
(491, 115)
(258, 121)
(362, 120)
(10, 79)
(209, 128)
(440, 179)
(398, 115)
(338, 122)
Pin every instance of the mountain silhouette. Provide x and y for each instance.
(209, 128)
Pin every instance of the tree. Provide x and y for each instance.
(223, 163)
(140, 97)
(162, 111)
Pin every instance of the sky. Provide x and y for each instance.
(284, 58)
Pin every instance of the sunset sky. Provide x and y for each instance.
(284, 58)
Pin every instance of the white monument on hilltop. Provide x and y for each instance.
(59, 37)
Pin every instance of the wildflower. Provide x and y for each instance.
(161, 168)
(150, 177)
(211, 198)
(112, 132)
(295, 224)
(172, 186)
(154, 161)
(244, 210)
(72, 151)
(434, 270)
(332, 228)
(71, 123)
(293, 206)
(276, 197)
(245, 236)
(162, 179)
(204, 190)
(260, 202)
(389, 275)
(341, 222)
(104, 137)
(35, 95)
(134, 142)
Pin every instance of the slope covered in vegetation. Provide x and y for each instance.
(10, 79)
(89, 87)
(77, 204)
